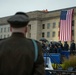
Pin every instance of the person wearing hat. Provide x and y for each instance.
(17, 53)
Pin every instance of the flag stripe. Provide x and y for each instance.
(66, 26)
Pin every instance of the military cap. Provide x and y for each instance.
(20, 19)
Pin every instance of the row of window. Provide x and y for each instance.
(4, 29)
(48, 25)
(43, 25)
(4, 36)
(48, 34)
(54, 25)
(53, 34)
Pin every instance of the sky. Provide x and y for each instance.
(10, 7)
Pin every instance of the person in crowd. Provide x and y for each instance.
(51, 43)
(61, 45)
(43, 45)
(17, 53)
(47, 48)
(55, 47)
(51, 48)
(66, 46)
(72, 47)
(59, 49)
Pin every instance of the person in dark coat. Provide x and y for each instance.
(59, 49)
(17, 53)
(72, 47)
(43, 46)
(66, 46)
(61, 45)
(55, 47)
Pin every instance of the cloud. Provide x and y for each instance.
(9, 7)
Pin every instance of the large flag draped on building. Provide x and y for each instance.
(66, 25)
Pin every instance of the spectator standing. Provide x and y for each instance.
(61, 45)
(72, 47)
(66, 46)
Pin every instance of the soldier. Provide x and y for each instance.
(61, 45)
(66, 46)
(72, 47)
(17, 53)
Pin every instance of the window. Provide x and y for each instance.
(4, 29)
(72, 32)
(53, 34)
(8, 29)
(59, 25)
(8, 35)
(29, 34)
(43, 34)
(1, 30)
(58, 33)
(29, 26)
(48, 26)
(0, 36)
(48, 34)
(72, 22)
(43, 26)
(4, 36)
(54, 25)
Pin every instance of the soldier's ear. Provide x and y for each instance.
(10, 29)
(25, 29)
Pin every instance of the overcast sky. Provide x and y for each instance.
(10, 7)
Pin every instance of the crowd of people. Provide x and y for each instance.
(58, 47)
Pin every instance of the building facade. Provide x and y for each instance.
(42, 24)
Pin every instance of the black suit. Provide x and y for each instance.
(17, 56)
(66, 46)
(72, 48)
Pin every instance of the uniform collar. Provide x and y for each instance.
(18, 34)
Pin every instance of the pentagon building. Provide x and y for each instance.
(42, 24)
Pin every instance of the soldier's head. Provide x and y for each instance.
(19, 20)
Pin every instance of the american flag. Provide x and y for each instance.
(66, 25)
